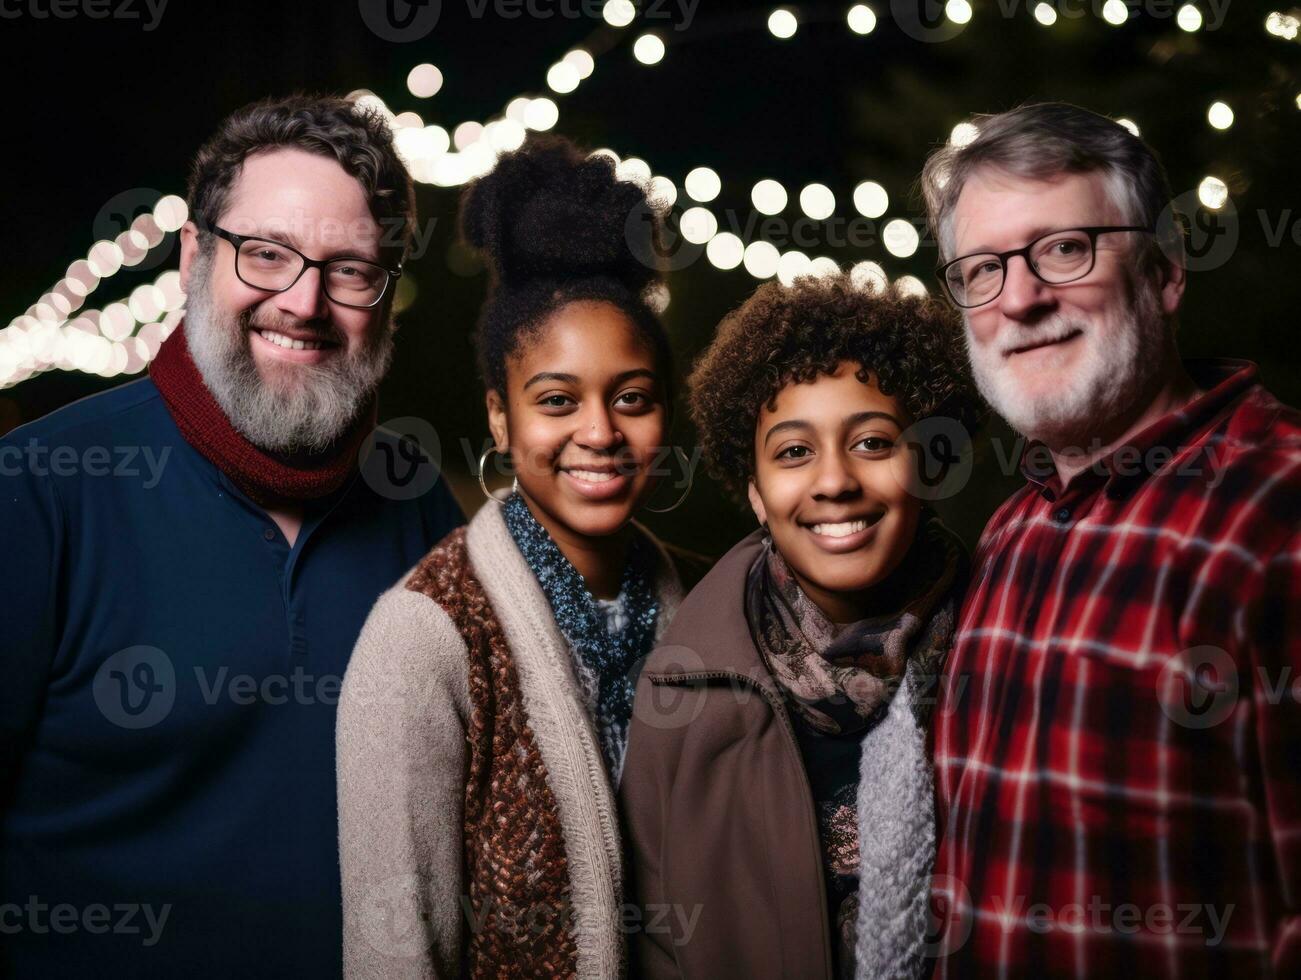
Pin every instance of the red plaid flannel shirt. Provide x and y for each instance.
(1118, 736)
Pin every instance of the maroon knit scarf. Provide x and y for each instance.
(271, 480)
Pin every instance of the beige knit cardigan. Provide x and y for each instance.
(402, 752)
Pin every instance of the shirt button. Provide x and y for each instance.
(269, 534)
(1062, 515)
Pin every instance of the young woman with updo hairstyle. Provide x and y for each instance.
(485, 712)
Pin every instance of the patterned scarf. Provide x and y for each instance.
(839, 682)
(839, 678)
(605, 655)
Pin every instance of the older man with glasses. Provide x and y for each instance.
(176, 635)
(1117, 744)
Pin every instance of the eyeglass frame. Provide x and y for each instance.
(1093, 231)
(235, 240)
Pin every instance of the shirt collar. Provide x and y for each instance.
(1222, 380)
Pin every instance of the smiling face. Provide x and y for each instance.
(1060, 362)
(291, 369)
(832, 481)
(583, 419)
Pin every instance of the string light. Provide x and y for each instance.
(868, 275)
(103, 341)
(900, 238)
(725, 251)
(783, 23)
(963, 133)
(1189, 18)
(768, 197)
(824, 266)
(1115, 12)
(619, 13)
(424, 81)
(911, 286)
(870, 199)
(1219, 115)
(861, 19)
(563, 77)
(792, 265)
(698, 225)
(761, 259)
(1213, 193)
(1285, 26)
(703, 185)
(633, 169)
(662, 192)
(817, 201)
(648, 49)
(582, 61)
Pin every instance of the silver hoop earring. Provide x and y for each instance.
(691, 478)
(484, 487)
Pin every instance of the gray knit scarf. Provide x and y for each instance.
(840, 677)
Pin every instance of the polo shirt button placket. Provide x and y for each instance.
(269, 533)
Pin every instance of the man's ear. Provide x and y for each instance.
(189, 251)
(756, 503)
(497, 420)
(1174, 278)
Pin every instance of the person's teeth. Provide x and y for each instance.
(280, 340)
(592, 476)
(840, 530)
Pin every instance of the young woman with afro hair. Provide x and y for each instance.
(485, 712)
(778, 782)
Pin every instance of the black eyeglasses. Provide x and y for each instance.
(275, 267)
(1055, 258)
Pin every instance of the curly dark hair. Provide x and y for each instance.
(359, 138)
(790, 334)
(556, 226)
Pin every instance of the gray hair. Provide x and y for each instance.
(1044, 140)
(358, 137)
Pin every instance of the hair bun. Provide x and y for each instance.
(550, 211)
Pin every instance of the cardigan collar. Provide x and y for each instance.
(566, 737)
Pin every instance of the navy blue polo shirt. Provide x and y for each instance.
(168, 684)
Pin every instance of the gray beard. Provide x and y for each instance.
(1117, 375)
(304, 414)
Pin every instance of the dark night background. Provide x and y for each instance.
(98, 107)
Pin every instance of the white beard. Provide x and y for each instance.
(305, 412)
(1123, 353)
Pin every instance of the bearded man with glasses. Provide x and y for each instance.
(175, 640)
(1118, 777)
